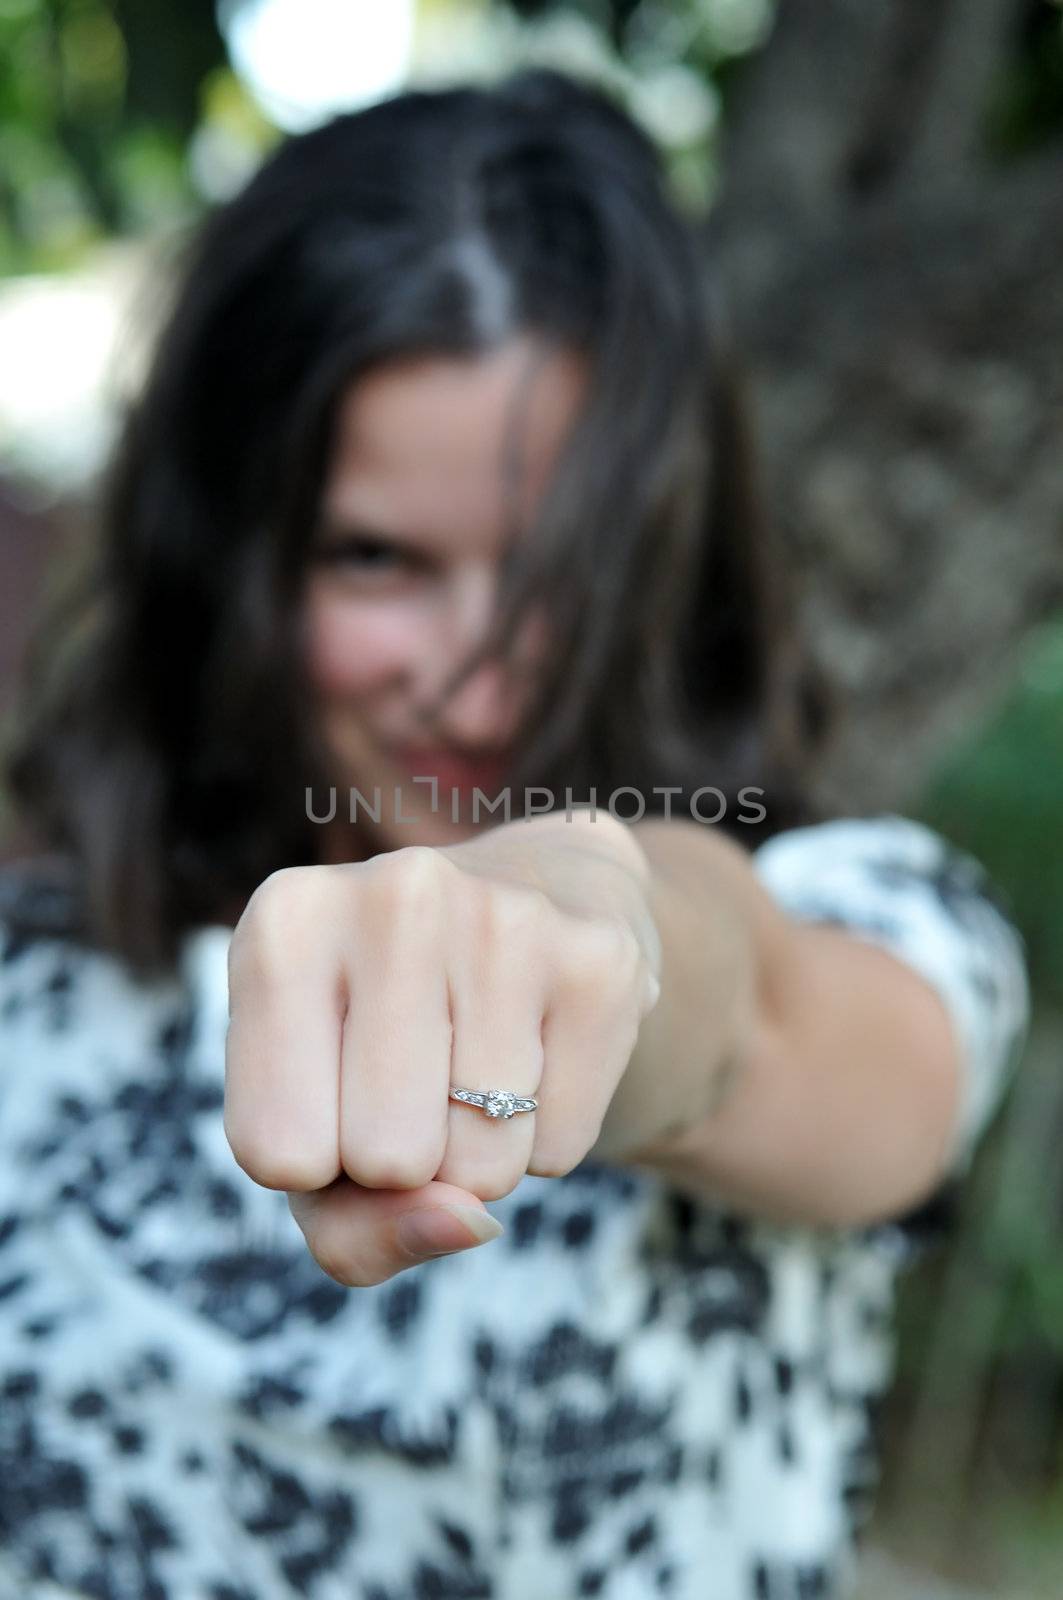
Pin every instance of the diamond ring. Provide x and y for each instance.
(496, 1102)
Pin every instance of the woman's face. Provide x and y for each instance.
(403, 573)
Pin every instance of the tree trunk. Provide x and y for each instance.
(899, 296)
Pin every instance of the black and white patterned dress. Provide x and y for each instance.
(629, 1394)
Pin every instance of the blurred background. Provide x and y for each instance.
(883, 184)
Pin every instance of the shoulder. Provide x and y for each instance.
(40, 898)
(893, 876)
(884, 849)
(55, 982)
(40, 926)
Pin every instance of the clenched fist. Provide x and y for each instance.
(524, 959)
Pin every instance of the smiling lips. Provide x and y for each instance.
(486, 773)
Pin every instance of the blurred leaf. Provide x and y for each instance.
(98, 101)
(1026, 108)
(1000, 795)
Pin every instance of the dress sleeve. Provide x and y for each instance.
(900, 885)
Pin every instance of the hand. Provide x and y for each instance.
(525, 959)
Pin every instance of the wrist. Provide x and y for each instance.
(692, 1048)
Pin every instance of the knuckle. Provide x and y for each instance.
(486, 1184)
(604, 951)
(382, 1169)
(628, 951)
(281, 893)
(266, 1160)
(274, 1169)
(558, 1160)
(414, 866)
(410, 878)
(513, 912)
(498, 1189)
(282, 910)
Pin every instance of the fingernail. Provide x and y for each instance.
(439, 1230)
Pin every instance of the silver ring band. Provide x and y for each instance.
(496, 1103)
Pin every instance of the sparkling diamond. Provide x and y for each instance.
(500, 1103)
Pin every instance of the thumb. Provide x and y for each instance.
(364, 1236)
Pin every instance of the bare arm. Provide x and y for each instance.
(829, 1069)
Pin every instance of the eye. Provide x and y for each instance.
(364, 554)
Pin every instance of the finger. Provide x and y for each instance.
(365, 1236)
(590, 1031)
(395, 1054)
(499, 980)
(282, 1049)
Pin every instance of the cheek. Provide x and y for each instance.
(355, 647)
(535, 637)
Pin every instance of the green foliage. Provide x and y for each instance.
(671, 61)
(1000, 795)
(105, 125)
(109, 121)
(1026, 108)
(100, 103)
(984, 1323)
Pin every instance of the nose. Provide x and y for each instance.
(484, 712)
(482, 715)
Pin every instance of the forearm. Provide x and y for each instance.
(824, 1070)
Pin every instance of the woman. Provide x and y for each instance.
(436, 487)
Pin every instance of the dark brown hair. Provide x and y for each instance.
(164, 745)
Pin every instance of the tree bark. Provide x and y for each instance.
(899, 297)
